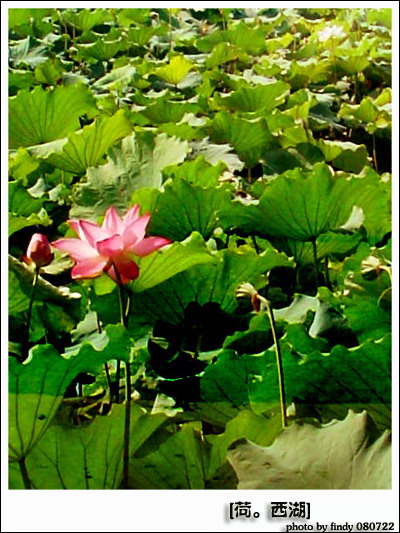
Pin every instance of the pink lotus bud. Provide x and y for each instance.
(39, 251)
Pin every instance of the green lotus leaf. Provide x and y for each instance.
(49, 72)
(170, 261)
(259, 98)
(329, 244)
(175, 71)
(41, 116)
(101, 50)
(344, 155)
(217, 153)
(85, 148)
(18, 17)
(250, 139)
(216, 282)
(86, 19)
(37, 386)
(353, 64)
(19, 79)
(198, 172)
(137, 163)
(223, 53)
(324, 202)
(346, 378)
(166, 111)
(250, 40)
(181, 209)
(186, 466)
(86, 457)
(117, 79)
(24, 210)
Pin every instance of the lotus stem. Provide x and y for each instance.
(374, 152)
(128, 388)
(28, 320)
(315, 255)
(279, 364)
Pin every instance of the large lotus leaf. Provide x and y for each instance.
(117, 79)
(86, 457)
(166, 111)
(259, 429)
(313, 70)
(367, 304)
(138, 163)
(126, 17)
(355, 377)
(23, 209)
(181, 209)
(344, 155)
(217, 153)
(19, 79)
(50, 72)
(170, 261)
(353, 64)
(329, 244)
(17, 299)
(228, 380)
(374, 197)
(85, 148)
(185, 468)
(42, 116)
(198, 172)
(250, 40)
(37, 386)
(18, 17)
(259, 98)
(216, 282)
(341, 455)
(28, 52)
(381, 16)
(300, 206)
(142, 35)
(85, 19)
(223, 53)
(250, 139)
(175, 71)
(101, 50)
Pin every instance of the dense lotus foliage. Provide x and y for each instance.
(200, 248)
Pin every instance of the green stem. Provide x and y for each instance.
(355, 88)
(315, 255)
(374, 152)
(122, 317)
(24, 474)
(128, 389)
(127, 427)
(108, 380)
(28, 320)
(170, 29)
(279, 365)
(117, 380)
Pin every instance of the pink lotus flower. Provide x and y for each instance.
(110, 246)
(39, 251)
